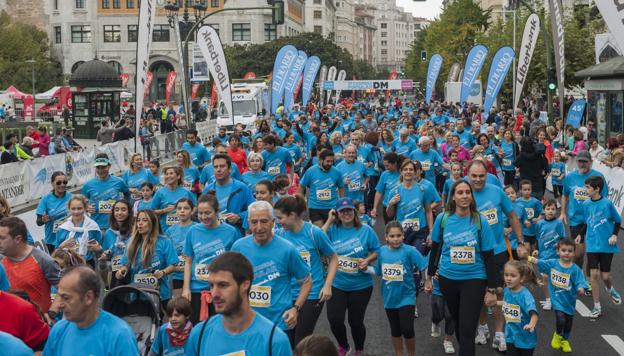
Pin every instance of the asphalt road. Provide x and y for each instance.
(588, 335)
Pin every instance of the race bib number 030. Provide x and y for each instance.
(147, 279)
(392, 272)
(260, 296)
(511, 313)
(105, 206)
(462, 255)
(347, 264)
(560, 279)
(491, 215)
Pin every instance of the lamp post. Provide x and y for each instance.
(32, 67)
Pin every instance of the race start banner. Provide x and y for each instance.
(284, 59)
(368, 84)
(503, 59)
(472, 68)
(292, 78)
(529, 41)
(435, 64)
(311, 69)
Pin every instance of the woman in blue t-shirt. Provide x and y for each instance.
(121, 224)
(463, 247)
(191, 173)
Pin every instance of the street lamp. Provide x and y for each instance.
(32, 66)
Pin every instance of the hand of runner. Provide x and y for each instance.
(233, 218)
(613, 240)
(395, 200)
(45, 218)
(577, 240)
(373, 213)
(290, 317)
(490, 299)
(428, 286)
(121, 273)
(363, 264)
(564, 219)
(325, 294)
(186, 293)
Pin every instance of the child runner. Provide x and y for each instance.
(177, 233)
(602, 226)
(360, 207)
(147, 192)
(171, 337)
(456, 173)
(557, 173)
(510, 191)
(565, 281)
(548, 232)
(519, 309)
(533, 210)
(439, 312)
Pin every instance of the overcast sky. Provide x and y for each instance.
(428, 9)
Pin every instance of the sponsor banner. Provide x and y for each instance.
(615, 181)
(311, 69)
(148, 83)
(80, 166)
(342, 75)
(556, 21)
(250, 75)
(435, 64)
(472, 68)
(40, 174)
(331, 76)
(503, 59)
(453, 74)
(14, 183)
(292, 78)
(210, 44)
(206, 130)
(200, 66)
(322, 78)
(147, 14)
(284, 59)
(612, 12)
(368, 84)
(575, 113)
(125, 77)
(185, 100)
(194, 91)
(529, 41)
(171, 77)
(298, 87)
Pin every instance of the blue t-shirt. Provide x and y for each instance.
(574, 190)
(177, 233)
(17, 346)
(492, 203)
(532, 209)
(275, 162)
(135, 180)
(517, 310)
(509, 157)
(557, 172)
(462, 245)
(165, 197)
(5, 285)
(56, 208)
(404, 148)
(161, 345)
(430, 161)
(312, 243)
(351, 245)
(204, 244)
(164, 255)
(198, 153)
(116, 243)
(465, 138)
(63, 235)
(548, 233)
(216, 341)
(563, 283)
(252, 178)
(395, 266)
(410, 211)
(356, 172)
(600, 217)
(103, 194)
(275, 265)
(191, 175)
(108, 335)
(323, 186)
(387, 185)
(207, 174)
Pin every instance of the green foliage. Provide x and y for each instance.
(22, 42)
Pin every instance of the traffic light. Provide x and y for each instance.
(423, 55)
(278, 11)
(552, 79)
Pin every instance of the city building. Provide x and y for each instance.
(320, 17)
(365, 37)
(32, 12)
(346, 26)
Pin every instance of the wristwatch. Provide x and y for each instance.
(297, 307)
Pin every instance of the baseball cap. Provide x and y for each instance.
(101, 162)
(583, 156)
(344, 203)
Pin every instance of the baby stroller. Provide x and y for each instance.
(139, 306)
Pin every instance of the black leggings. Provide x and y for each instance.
(509, 177)
(564, 323)
(307, 318)
(370, 193)
(464, 299)
(356, 302)
(439, 312)
(512, 350)
(401, 321)
(196, 308)
(418, 239)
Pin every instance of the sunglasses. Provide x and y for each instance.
(61, 182)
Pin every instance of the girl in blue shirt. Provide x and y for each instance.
(79, 232)
(116, 237)
(507, 153)
(557, 173)
(519, 308)
(191, 173)
(312, 244)
(395, 265)
(147, 192)
(172, 336)
(166, 197)
(177, 233)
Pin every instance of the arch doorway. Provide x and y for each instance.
(158, 89)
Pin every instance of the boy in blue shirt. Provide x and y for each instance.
(602, 225)
(532, 210)
(548, 232)
(171, 337)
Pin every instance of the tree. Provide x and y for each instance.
(21, 42)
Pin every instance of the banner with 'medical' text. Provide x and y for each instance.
(503, 59)
(472, 68)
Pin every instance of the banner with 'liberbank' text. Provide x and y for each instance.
(284, 59)
(499, 68)
(529, 41)
(435, 64)
(210, 45)
(472, 68)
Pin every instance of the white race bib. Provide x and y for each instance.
(580, 194)
(323, 194)
(426, 165)
(260, 296)
(506, 162)
(146, 278)
(56, 224)
(530, 213)
(491, 215)
(105, 206)
(354, 186)
(411, 224)
(179, 267)
(555, 172)
(462, 255)
(275, 170)
(116, 264)
(188, 185)
(172, 219)
(201, 272)
(560, 279)
(392, 272)
(347, 264)
(511, 313)
(305, 255)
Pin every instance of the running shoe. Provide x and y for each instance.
(546, 304)
(615, 296)
(502, 344)
(436, 330)
(342, 351)
(415, 311)
(565, 346)
(480, 339)
(496, 342)
(596, 312)
(555, 343)
(588, 291)
(449, 349)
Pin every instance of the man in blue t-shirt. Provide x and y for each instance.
(236, 329)
(85, 328)
(199, 154)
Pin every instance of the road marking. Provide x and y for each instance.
(582, 309)
(615, 342)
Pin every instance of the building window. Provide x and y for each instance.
(112, 33)
(116, 4)
(215, 26)
(384, 51)
(318, 14)
(129, 4)
(318, 29)
(133, 33)
(57, 34)
(105, 4)
(81, 33)
(214, 3)
(384, 34)
(270, 32)
(80, 4)
(384, 43)
(161, 33)
(384, 25)
(241, 32)
(317, 2)
(55, 4)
